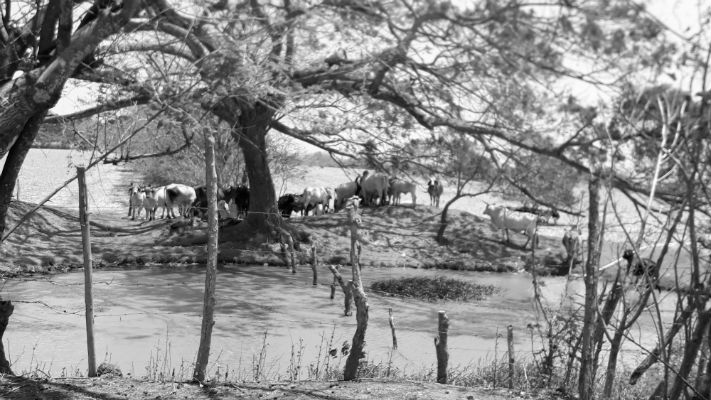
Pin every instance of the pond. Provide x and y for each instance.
(151, 317)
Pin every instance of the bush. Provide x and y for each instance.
(433, 289)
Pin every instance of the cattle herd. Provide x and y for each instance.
(190, 201)
(373, 189)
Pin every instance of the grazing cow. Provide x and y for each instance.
(344, 191)
(641, 267)
(503, 218)
(314, 196)
(289, 203)
(434, 189)
(138, 196)
(240, 195)
(200, 204)
(398, 187)
(375, 187)
(182, 196)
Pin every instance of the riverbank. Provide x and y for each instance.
(109, 388)
(50, 241)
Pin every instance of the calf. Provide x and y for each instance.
(135, 202)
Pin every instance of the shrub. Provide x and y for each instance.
(433, 289)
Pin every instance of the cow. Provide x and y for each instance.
(289, 203)
(503, 218)
(200, 204)
(313, 196)
(344, 191)
(240, 195)
(434, 189)
(150, 204)
(641, 267)
(375, 186)
(398, 187)
(135, 201)
(182, 196)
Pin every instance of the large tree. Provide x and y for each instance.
(358, 77)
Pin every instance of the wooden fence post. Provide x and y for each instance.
(333, 285)
(392, 328)
(314, 264)
(347, 292)
(441, 347)
(350, 371)
(17, 183)
(86, 245)
(208, 307)
(496, 356)
(510, 339)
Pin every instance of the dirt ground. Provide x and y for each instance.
(119, 388)
(50, 241)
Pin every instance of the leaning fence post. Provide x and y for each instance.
(314, 264)
(392, 328)
(86, 243)
(441, 347)
(496, 355)
(350, 371)
(511, 356)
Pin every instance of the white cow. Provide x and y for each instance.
(503, 218)
(182, 196)
(398, 187)
(314, 196)
(136, 201)
(344, 191)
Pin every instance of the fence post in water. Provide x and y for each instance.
(441, 347)
(345, 286)
(392, 328)
(86, 243)
(496, 355)
(511, 355)
(350, 371)
(314, 264)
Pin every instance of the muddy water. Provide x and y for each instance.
(44, 170)
(155, 314)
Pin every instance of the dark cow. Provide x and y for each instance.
(289, 203)
(240, 195)
(200, 204)
(641, 266)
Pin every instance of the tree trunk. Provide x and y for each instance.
(211, 269)
(610, 374)
(443, 219)
(586, 379)
(6, 309)
(606, 314)
(13, 164)
(690, 352)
